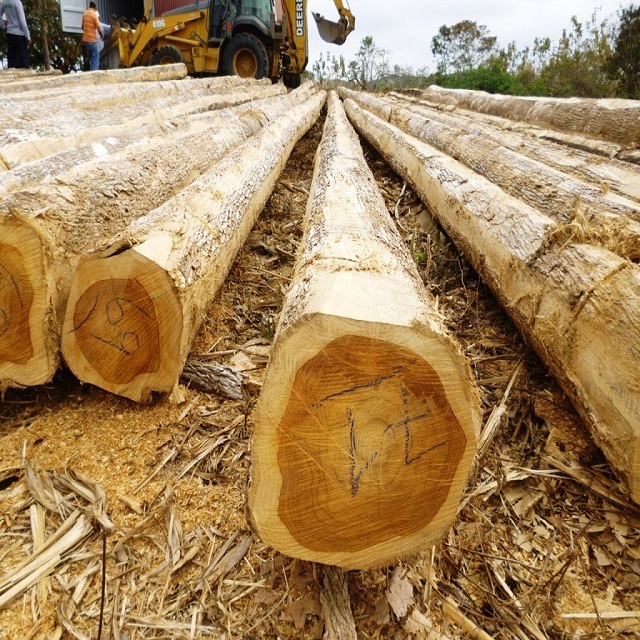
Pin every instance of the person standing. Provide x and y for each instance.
(91, 30)
(18, 37)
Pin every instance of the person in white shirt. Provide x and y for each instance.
(18, 37)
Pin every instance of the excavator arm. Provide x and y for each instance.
(297, 46)
(336, 32)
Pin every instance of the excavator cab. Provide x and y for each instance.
(335, 32)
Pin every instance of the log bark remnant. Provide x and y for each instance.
(366, 425)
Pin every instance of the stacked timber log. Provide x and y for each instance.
(37, 127)
(605, 218)
(48, 80)
(613, 120)
(45, 227)
(609, 174)
(577, 304)
(135, 307)
(366, 425)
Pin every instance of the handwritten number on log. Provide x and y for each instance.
(355, 477)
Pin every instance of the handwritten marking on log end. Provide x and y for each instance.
(116, 329)
(368, 446)
(16, 300)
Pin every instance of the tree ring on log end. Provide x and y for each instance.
(16, 301)
(368, 444)
(116, 329)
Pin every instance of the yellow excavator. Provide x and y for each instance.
(248, 38)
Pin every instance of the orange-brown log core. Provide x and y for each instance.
(16, 298)
(117, 330)
(368, 446)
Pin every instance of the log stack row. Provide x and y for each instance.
(565, 270)
(78, 197)
(121, 220)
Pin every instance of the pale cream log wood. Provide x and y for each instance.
(602, 218)
(137, 141)
(31, 139)
(576, 304)
(367, 421)
(615, 120)
(134, 308)
(607, 173)
(45, 228)
(43, 108)
(11, 75)
(36, 82)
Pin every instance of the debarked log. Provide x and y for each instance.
(615, 120)
(600, 218)
(45, 228)
(42, 81)
(29, 140)
(135, 307)
(367, 421)
(574, 303)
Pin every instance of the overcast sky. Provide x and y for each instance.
(406, 27)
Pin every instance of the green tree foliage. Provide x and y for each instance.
(328, 69)
(578, 65)
(623, 66)
(50, 46)
(370, 66)
(462, 47)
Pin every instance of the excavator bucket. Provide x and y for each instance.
(332, 32)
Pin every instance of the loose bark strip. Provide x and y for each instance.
(91, 78)
(607, 219)
(608, 173)
(134, 308)
(367, 421)
(615, 120)
(66, 132)
(45, 228)
(336, 606)
(574, 303)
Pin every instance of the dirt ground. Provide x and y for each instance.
(148, 501)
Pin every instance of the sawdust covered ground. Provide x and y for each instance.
(544, 545)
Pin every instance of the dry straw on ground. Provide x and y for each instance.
(124, 521)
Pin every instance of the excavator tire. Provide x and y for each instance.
(166, 55)
(245, 56)
(291, 80)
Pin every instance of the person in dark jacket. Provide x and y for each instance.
(18, 37)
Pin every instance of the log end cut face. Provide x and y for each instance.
(28, 355)
(16, 301)
(123, 325)
(117, 330)
(368, 451)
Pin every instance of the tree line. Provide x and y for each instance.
(597, 59)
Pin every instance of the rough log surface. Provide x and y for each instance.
(512, 245)
(94, 201)
(615, 120)
(29, 140)
(92, 78)
(608, 173)
(134, 308)
(366, 425)
(604, 218)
